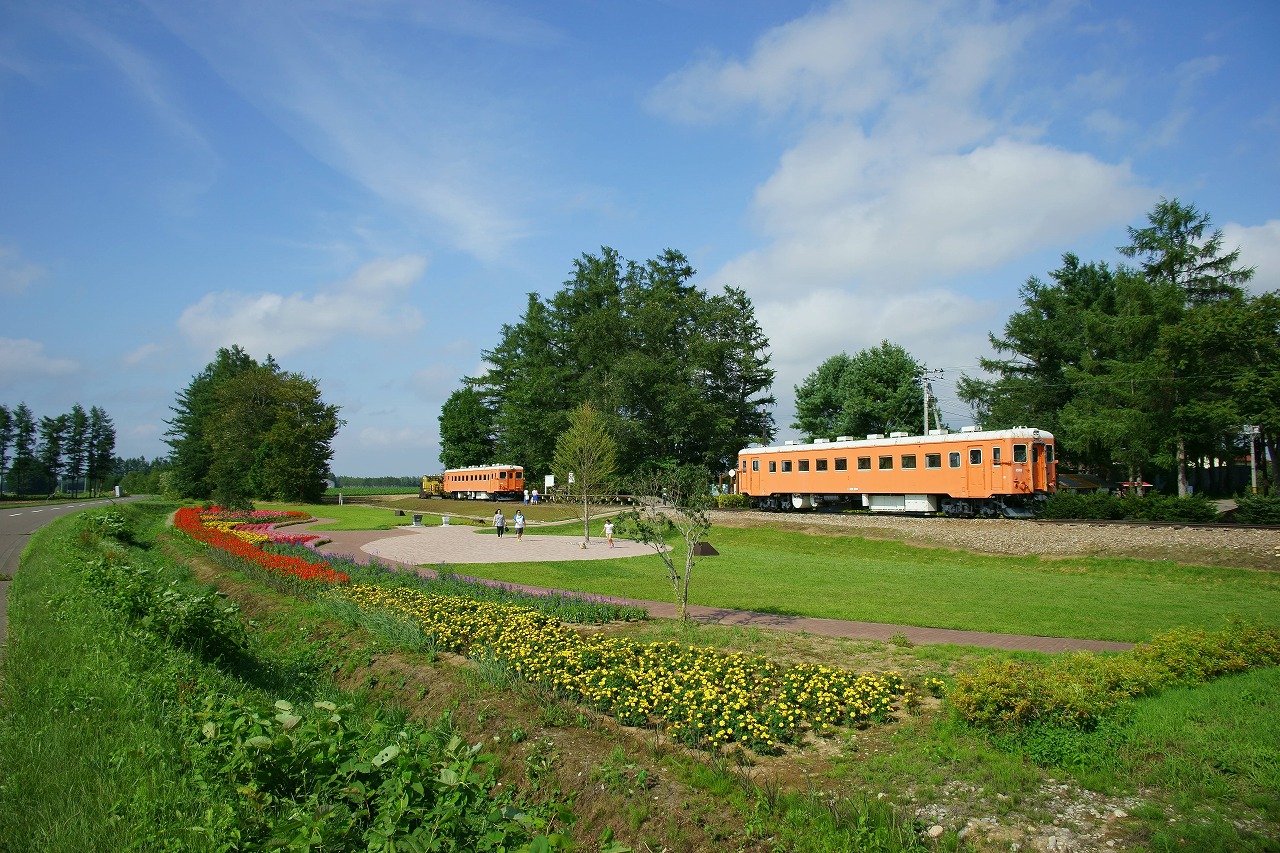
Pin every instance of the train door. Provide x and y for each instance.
(1039, 472)
(749, 477)
(975, 473)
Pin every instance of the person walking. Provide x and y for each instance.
(499, 522)
(519, 522)
(608, 532)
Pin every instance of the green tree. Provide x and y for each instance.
(1175, 252)
(6, 442)
(52, 448)
(270, 437)
(677, 374)
(585, 463)
(466, 430)
(102, 446)
(77, 443)
(875, 391)
(25, 465)
(188, 434)
(672, 502)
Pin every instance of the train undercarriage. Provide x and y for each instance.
(1007, 506)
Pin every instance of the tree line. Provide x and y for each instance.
(1158, 366)
(244, 431)
(677, 375)
(69, 452)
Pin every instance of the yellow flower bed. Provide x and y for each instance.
(702, 696)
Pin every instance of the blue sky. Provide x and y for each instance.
(367, 189)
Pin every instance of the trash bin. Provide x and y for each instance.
(444, 521)
(417, 519)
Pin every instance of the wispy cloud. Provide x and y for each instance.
(22, 359)
(414, 132)
(372, 305)
(16, 273)
(1259, 247)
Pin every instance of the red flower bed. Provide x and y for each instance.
(188, 520)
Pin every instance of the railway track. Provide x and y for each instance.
(1205, 525)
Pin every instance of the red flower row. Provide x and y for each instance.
(188, 521)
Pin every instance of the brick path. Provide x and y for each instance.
(458, 544)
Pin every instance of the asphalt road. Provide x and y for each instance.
(16, 526)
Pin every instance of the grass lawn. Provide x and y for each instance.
(847, 577)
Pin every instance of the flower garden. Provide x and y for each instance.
(700, 696)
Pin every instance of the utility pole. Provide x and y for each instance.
(1252, 432)
(925, 375)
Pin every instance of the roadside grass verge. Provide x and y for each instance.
(134, 716)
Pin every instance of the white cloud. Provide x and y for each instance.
(22, 359)
(373, 304)
(139, 355)
(902, 174)
(1259, 247)
(16, 273)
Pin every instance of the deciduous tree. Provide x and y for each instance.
(585, 463)
(875, 391)
(671, 503)
(466, 430)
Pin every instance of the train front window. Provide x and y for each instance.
(820, 465)
(804, 465)
(908, 460)
(864, 463)
(519, 475)
(886, 463)
(755, 464)
(975, 456)
(1048, 453)
(953, 459)
(933, 460)
(1019, 453)
(786, 466)
(842, 464)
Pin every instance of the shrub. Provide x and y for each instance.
(731, 501)
(1079, 691)
(1258, 509)
(1154, 507)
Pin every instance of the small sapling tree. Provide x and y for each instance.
(585, 461)
(672, 503)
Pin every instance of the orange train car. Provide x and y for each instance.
(484, 483)
(967, 473)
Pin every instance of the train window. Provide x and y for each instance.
(908, 460)
(773, 467)
(755, 464)
(933, 460)
(886, 463)
(820, 465)
(995, 455)
(864, 463)
(804, 465)
(842, 464)
(953, 459)
(786, 466)
(1048, 453)
(519, 475)
(975, 455)
(1019, 453)
(744, 464)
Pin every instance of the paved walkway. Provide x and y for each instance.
(457, 545)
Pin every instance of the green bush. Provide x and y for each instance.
(1080, 690)
(731, 501)
(1258, 509)
(1153, 507)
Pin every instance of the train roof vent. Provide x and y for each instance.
(898, 434)
(872, 436)
(790, 442)
(844, 438)
(821, 440)
(754, 444)
(939, 431)
(968, 429)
